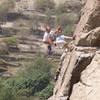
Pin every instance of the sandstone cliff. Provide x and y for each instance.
(79, 77)
(90, 16)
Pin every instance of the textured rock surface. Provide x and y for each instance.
(91, 38)
(88, 29)
(74, 63)
(89, 87)
(80, 73)
(90, 17)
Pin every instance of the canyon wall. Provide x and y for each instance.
(78, 77)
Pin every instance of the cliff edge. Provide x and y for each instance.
(79, 77)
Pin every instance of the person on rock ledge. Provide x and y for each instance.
(61, 40)
(47, 41)
(55, 38)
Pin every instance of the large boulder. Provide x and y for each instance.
(91, 38)
(74, 63)
(89, 86)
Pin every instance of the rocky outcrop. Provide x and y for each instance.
(90, 17)
(89, 87)
(87, 32)
(79, 77)
(74, 63)
(91, 38)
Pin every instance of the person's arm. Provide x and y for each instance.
(51, 42)
(67, 38)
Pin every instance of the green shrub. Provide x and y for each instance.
(6, 92)
(67, 22)
(27, 83)
(65, 19)
(68, 30)
(46, 93)
(11, 41)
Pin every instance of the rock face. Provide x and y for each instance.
(91, 38)
(79, 77)
(88, 30)
(74, 63)
(89, 87)
(90, 17)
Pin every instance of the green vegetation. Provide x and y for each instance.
(11, 41)
(45, 93)
(34, 81)
(67, 21)
(4, 52)
(68, 30)
(66, 14)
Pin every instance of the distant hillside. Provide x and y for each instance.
(59, 1)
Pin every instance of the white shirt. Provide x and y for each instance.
(60, 41)
(45, 37)
(60, 38)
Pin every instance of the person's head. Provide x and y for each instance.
(48, 29)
